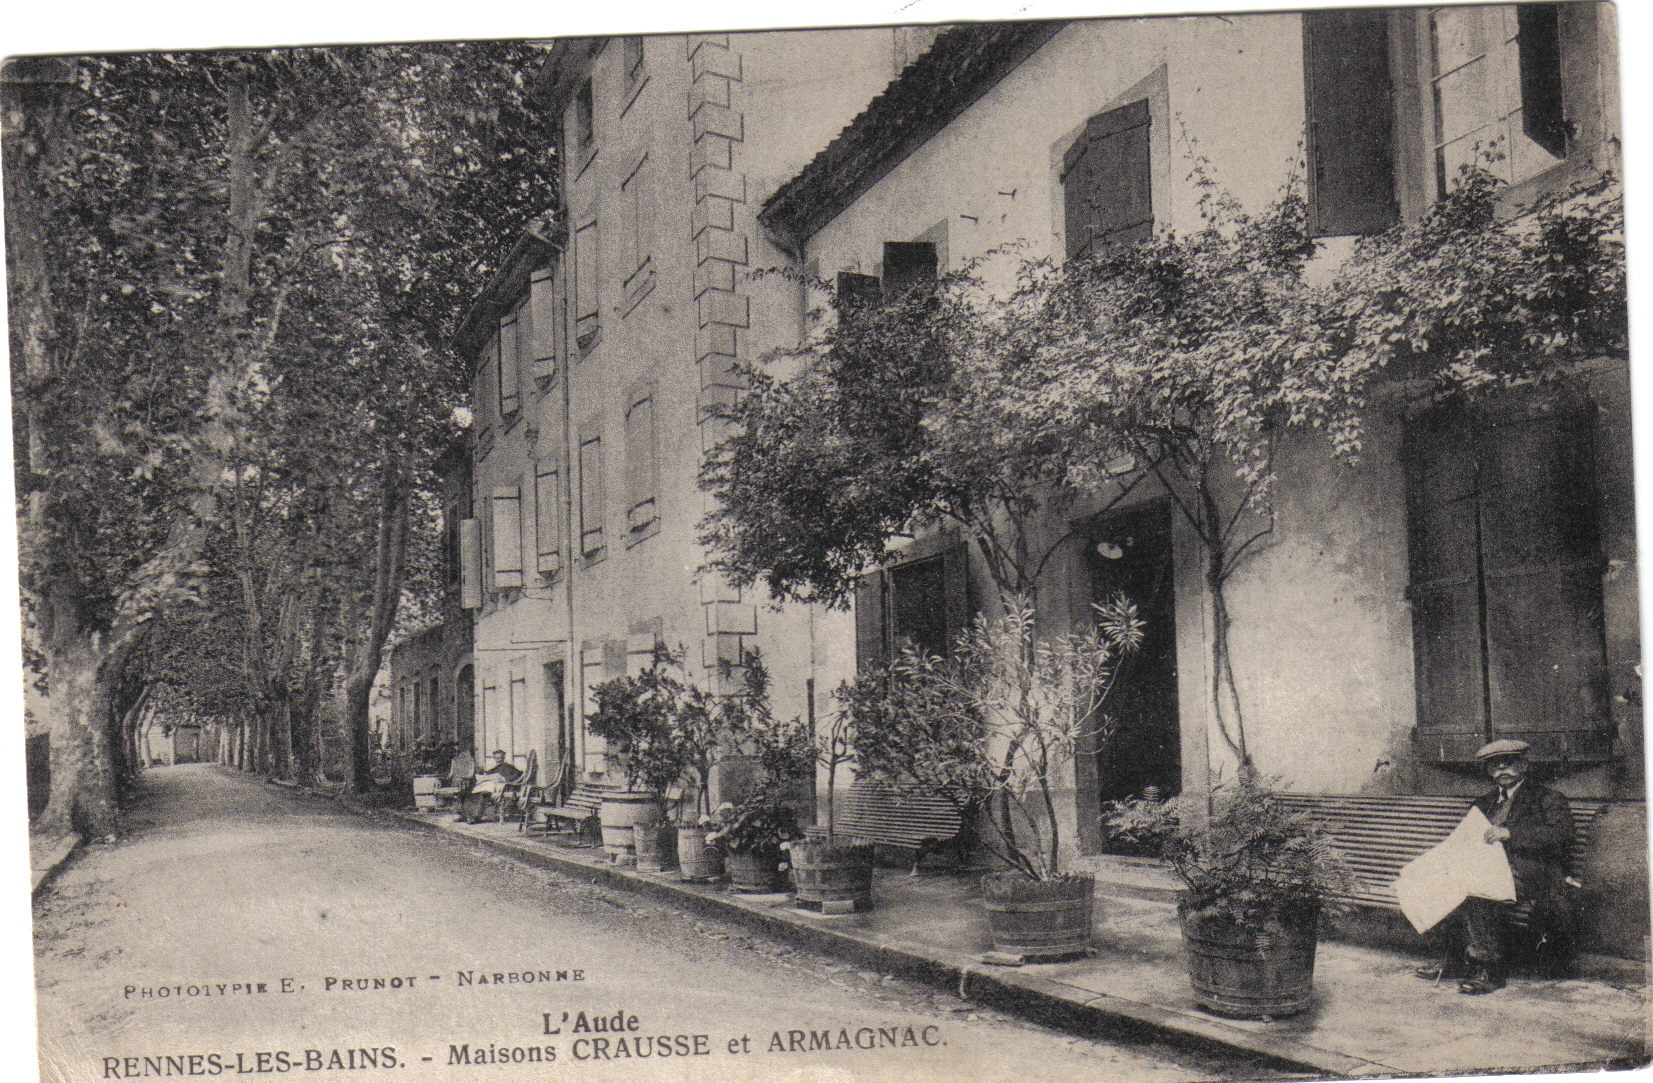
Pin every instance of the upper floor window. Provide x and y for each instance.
(1496, 90)
(1350, 115)
(638, 209)
(507, 537)
(1107, 184)
(641, 468)
(547, 520)
(509, 364)
(591, 496)
(584, 120)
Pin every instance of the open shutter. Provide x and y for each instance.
(1546, 657)
(908, 264)
(507, 523)
(1538, 40)
(1107, 184)
(510, 367)
(470, 564)
(855, 290)
(545, 322)
(1350, 122)
(548, 521)
(870, 652)
(1445, 589)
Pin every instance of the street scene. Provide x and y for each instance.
(1059, 548)
(224, 879)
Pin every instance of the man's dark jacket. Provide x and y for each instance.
(1541, 837)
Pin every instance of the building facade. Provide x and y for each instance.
(1474, 577)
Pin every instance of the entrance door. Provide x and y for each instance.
(1130, 554)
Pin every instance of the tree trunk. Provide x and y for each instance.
(389, 568)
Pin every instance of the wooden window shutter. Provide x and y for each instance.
(870, 650)
(1445, 587)
(591, 496)
(585, 285)
(1350, 122)
(1107, 182)
(470, 564)
(507, 523)
(548, 521)
(543, 323)
(1538, 40)
(510, 367)
(1546, 655)
(908, 264)
(640, 465)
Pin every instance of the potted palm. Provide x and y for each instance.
(992, 728)
(1255, 876)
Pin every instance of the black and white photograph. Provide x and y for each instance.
(902, 543)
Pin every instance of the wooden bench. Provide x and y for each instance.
(1378, 836)
(577, 814)
(909, 821)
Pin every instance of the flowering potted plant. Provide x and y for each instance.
(1255, 876)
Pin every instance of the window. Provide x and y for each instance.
(591, 497)
(638, 209)
(641, 468)
(585, 124)
(908, 264)
(585, 286)
(633, 59)
(1350, 122)
(1106, 184)
(507, 524)
(431, 711)
(548, 521)
(1507, 617)
(1496, 86)
(509, 359)
(923, 602)
(544, 320)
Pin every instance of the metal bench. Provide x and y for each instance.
(577, 814)
(906, 820)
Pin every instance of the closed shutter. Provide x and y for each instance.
(1445, 588)
(640, 466)
(591, 496)
(507, 524)
(470, 564)
(1350, 122)
(1506, 582)
(908, 264)
(1107, 184)
(956, 586)
(545, 324)
(870, 651)
(1546, 657)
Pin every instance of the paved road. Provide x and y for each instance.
(265, 933)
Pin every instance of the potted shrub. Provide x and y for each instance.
(753, 832)
(990, 728)
(750, 835)
(833, 874)
(1255, 875)
(634, 715)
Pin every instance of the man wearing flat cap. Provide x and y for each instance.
(1536, 827)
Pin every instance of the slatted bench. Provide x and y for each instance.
(577, 814)
(913, 823)
(1379, 835)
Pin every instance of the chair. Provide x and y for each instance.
(511, 798)
(461, 777)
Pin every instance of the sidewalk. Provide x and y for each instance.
(1363, 1022)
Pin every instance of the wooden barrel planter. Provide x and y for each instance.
(695, 859)
(757, 870)
(832, 875)
(1249, 973)
(621, 812)
(1039, 919)
(656, 846)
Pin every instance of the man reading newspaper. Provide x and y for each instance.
(1511, 847)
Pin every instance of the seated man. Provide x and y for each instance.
(1536, 827)
(488, 787)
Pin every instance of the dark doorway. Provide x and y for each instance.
(464, 710)
(1130, 554)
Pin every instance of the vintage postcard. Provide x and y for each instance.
(945, 544)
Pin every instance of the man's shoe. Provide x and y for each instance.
(1445, 970)
(1484, 980)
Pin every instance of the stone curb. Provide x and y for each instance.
(1038, 999)
(52, 862)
